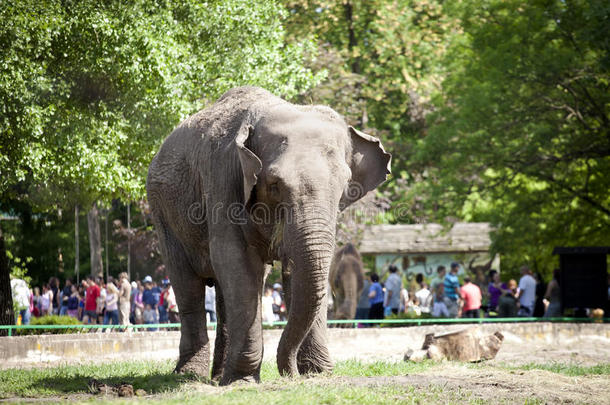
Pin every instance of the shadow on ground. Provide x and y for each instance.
(78, 384)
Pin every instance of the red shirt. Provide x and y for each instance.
(90, 300)
(471, 294)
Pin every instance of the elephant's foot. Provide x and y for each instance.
(197, 363)
(231, 377)
(287, 364)
(314, 363)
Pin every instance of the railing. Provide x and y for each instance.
(353, 322)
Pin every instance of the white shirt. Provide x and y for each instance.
(527, 286)
(268, 315)
(425, 299)
(210, 299)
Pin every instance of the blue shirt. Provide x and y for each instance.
(451, 285)
(149, 297)
(378, 298)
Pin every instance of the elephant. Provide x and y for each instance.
(346, 281)
(250, 180)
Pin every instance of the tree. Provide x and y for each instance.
(383, 60)
(88, 89)
(522, 137)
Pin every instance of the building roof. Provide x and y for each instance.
(429, 238)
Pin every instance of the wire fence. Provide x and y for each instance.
(345, 323)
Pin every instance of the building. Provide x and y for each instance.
(422, 248)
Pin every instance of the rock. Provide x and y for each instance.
(465, 345)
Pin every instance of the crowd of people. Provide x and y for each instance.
(447, 297)
(116, 301)
(119, 301)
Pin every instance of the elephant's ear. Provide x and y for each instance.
(251, 165)
(370, 165)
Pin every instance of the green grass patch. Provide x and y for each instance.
(572, 370)
(154, 377)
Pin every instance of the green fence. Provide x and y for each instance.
(353, 322)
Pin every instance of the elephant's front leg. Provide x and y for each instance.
(313, 355)
(222, 336)
(239, 271)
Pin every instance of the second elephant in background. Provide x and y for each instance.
(347, 281)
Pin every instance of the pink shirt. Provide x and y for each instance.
(471, 294)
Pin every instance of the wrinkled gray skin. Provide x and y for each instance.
(346, 281)
(254, 149)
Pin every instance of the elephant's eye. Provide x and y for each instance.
(273, 188)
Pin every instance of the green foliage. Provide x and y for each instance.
(521, 137)
(50, 320)
(89, 89)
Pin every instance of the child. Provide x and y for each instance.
(149, 316)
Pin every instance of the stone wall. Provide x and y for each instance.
(364, 344)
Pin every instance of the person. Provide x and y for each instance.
(404, 300)
(46, 301)
(149, 297)
(363, 306)
(138, 304)
(72, 302)
(112, 308)
(539, 306)
(423, 295)
(507, 303)
(56, 299)
(393, 285)
(36, 300)
(101, 300)
(452, 290)
(171, 304)
(553, 297)
(21, 299)
(439, 279)
(375, 298)
(66, 292)
(526, 293)
(267, 306)
(210, 302)
(495, 289)
(124, 298)
(439, 308)
(92, 295)
(163, 318)
(278, 302)
(471, 295)
(149, 315)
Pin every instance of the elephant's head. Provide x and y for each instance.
(301, 165)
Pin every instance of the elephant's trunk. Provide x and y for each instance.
(310, 245)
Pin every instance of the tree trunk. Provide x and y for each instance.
(7, 317)
(95, 241)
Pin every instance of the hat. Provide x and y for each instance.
(148, 279)
(134, 284)
(454, 265)
(276, 286)
(165, 281)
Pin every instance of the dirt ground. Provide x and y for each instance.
(496, 381)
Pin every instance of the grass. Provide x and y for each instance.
(349, 383)
(572, 370)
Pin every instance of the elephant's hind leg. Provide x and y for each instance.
(190, 296)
